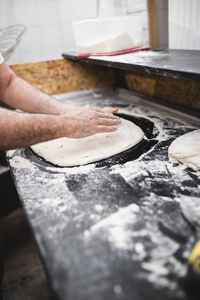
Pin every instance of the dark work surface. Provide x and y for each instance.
(114, 229)
(180, 64)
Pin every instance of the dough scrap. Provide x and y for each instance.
(186, 149)
(67, 152)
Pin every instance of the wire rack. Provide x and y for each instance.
(9, 38)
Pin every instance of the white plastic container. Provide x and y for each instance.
(108, 35)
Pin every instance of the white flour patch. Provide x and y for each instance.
(98, 208)
(156, 267)
(21, 162)
(10, 153)
(74, 170)
(118, 291)
(133, 169)
(140, 251)
(116, 227)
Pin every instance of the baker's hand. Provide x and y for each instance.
(110, 110)
(86, 121)
(64, 108)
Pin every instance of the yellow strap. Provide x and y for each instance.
(195, 257)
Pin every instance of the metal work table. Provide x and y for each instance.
(114, 229)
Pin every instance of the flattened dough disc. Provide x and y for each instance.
(186, 149)
(74, 152)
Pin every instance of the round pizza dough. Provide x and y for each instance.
(67, 152)
(186, 149)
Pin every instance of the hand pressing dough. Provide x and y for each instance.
(186, 149)
(67, 152)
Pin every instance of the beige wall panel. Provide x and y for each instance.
(62, 76)
(178, 92)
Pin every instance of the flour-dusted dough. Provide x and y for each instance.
(186, 149)
(67, 152)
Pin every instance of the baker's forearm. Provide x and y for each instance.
(19, 130)
(21, 95)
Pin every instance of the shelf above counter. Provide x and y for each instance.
(179, 64)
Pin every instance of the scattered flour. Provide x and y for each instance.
(98, 208)
(118, 290)
(116, 227)
(74, 170)
(21, 162)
